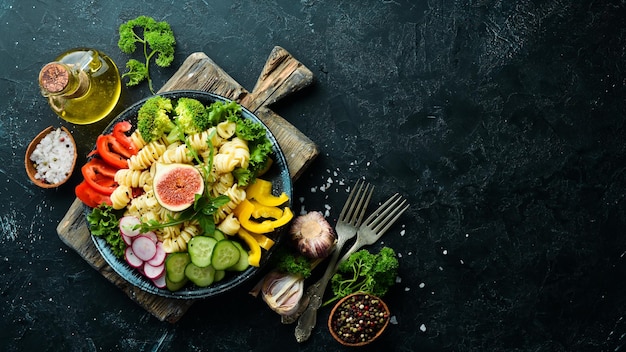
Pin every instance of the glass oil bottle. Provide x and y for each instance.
(82, 85)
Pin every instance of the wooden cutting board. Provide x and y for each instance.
(281, 76)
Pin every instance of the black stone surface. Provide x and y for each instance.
(502, 121)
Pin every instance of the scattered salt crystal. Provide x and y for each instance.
(445, 252)
(406, 289)
(422, 328)
(462, 262)
(422, 285)
(313, 189)
(399, 255)
(402, 232)
(398, 279)
(393, 320)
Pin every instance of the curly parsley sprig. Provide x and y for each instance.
(156, 38)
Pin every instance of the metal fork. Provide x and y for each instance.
(349, 220)
(377, 224)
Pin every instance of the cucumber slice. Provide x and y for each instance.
(242, 264)
(200, 249)
(219, 275)
(225, 255)
(175, 286)
(175, 266)
(218, 235)
(201, 276)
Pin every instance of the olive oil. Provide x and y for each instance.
(82, 85)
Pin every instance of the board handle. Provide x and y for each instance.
(282, 75)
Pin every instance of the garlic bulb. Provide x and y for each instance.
(282, 292)
(312, 234)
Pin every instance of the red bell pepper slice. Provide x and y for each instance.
(90, 197)
(99, 176)
(119, 132)
(104, 145)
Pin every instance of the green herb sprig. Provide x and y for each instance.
(157, 40)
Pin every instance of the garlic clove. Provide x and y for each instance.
(282, 292)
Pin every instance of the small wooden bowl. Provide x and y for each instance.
(30, 166)
(367, 299)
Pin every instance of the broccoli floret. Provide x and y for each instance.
(191, 115)
(153, 120)
(366, 272)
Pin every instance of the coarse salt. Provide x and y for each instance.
(53, 157)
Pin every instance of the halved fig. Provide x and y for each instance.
(175, 185)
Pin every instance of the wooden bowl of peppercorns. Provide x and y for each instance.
(358, 319)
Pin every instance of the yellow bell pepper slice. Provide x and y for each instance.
(264, 211)
(254, 254)
(263, 241)
(283, 220)
(261, 191)
(243, 211)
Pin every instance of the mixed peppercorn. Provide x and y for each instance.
(359, 318)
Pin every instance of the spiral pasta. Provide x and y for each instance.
(179, 243)
(200, 141)
(120, 197)
(147, 155)
(232, 154)
(133, 178)
(179, 154)
(226, 129)
(137, 139)
(222, 183)
(236, 195)
(229, 225)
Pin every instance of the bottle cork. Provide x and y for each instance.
(54, 77)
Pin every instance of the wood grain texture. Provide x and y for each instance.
(281, 76)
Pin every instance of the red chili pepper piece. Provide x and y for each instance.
(99, 176)
(104, 146)
(119, 132)
(89, 196)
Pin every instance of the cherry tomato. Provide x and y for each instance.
(104, 145)
(91, 197)
(119, 132)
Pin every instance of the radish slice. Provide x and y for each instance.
(159, 256)
(152, 272)
(127, 240)
(132, 259)
(127, 225)
(159, 281)
(144, 248)
(152, 236)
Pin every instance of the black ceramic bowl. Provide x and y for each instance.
(281, 182)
